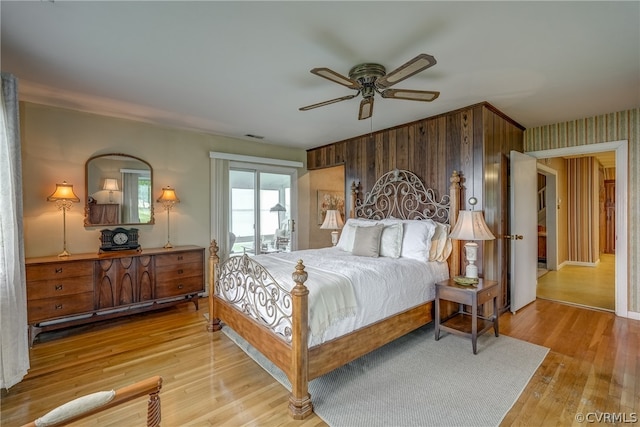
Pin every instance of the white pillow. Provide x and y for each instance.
(440, 243)
(367, 240)
(416, 243)
(391, 240)
(348, 232)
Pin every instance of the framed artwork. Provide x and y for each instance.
(329, 200)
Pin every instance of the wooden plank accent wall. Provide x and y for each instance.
(474, 140)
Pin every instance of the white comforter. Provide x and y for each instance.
(380, 287)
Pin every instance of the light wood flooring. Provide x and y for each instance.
(587, 286)
(593, 365)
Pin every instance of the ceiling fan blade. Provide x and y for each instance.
(414, 66)
(411, 95)
(331, 101)
(366, 108)
(336, 77)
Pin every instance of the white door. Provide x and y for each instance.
(524, 230)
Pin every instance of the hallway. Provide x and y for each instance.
(585, 286)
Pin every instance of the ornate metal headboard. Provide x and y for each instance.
(401, 194)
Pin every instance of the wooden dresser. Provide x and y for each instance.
(84, 288)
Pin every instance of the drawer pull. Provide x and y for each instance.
(179, 257)
(58, 306)
(58, 270)
(180, 286)
(180, 271)
(59, 287)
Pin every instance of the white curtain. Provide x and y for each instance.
(130, 212)
(220, 205)
(14, 339)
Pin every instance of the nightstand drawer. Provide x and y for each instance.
(488, 294)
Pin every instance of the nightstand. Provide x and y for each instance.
(462, 322)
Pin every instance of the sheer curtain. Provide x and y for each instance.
(220, 205)
(14, 340)
(130, 212)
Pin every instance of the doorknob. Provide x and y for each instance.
(513, 237)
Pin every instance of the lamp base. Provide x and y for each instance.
(471, 253)
(168, 245)
(64, 253)
(471, 272)
(334, 237)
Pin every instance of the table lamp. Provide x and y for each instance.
(333, 221)
(471, 226)
(168, 199)
(111, 185)
(64, 198)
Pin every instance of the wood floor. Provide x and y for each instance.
(587, 286)
(593, 366)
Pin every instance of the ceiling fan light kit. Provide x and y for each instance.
(369, 78)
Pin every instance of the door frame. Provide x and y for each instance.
(257, 169)
(551, 201)
(621, 149)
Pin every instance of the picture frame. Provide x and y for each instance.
(327, 200)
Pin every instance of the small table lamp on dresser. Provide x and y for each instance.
(471, 226)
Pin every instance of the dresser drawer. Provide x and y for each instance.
(180, 258)
(59, 270)
(167, 272)
(175, 287)
(51, 308)
(53, 288)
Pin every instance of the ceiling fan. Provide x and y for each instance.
(367, 79)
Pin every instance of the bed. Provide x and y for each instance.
(281, 308)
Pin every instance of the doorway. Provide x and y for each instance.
(260, 218)
(620, 148)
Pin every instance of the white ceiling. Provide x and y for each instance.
(237, 68)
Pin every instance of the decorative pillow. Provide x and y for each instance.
(416, 243)
(391, 240)
(440, 243)
(367, 240)
(348, 232)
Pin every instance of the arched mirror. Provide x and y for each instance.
(119, 190)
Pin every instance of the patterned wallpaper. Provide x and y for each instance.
(592, 130)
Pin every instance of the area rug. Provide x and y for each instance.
(417, 381)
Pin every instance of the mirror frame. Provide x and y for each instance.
(87, 195)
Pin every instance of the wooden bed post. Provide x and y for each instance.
(214, 323)
(454, 207)
(300, 405)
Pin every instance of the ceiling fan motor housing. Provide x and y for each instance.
(366, 75)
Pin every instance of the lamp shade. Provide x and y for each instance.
(332, 220)
(168, 196)
(278, 208)
(110, 184)
(63, 191)
(471, 226)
